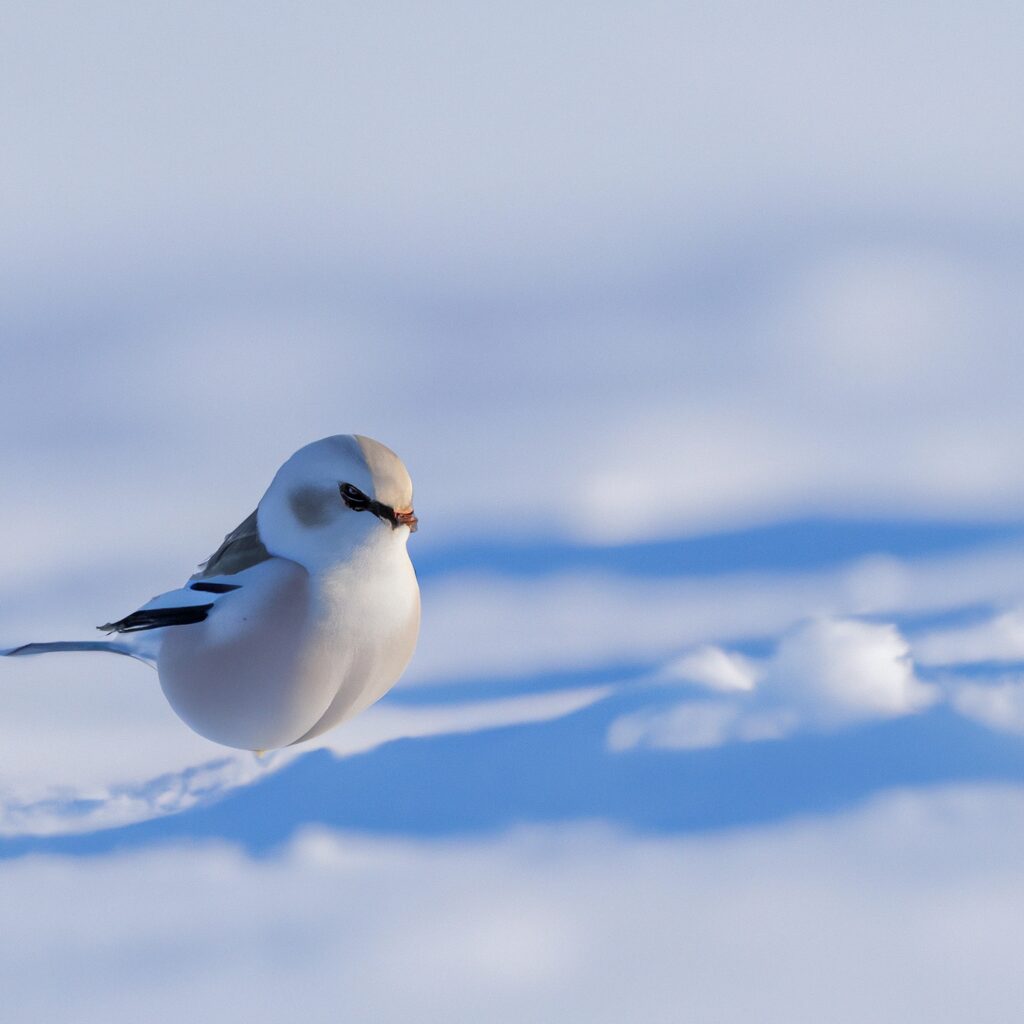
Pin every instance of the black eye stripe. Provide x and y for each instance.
(353, 497)
(359, 502)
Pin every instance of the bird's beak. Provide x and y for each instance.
(406, 518)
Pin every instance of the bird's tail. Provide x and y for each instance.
(107, 646)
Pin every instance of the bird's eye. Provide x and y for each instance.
(353, 497)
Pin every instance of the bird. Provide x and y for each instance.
(306, 614)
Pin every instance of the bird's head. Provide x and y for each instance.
(335, 496)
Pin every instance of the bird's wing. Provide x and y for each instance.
(223, 572)
(175, 608)
(242, 548)
(189, 604)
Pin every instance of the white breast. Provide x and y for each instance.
(366, 631)
(291, 654)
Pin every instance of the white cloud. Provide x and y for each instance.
(824, 674)
(476, 625)
(714, 668)
(999, 638)
(694, 725)
(827, 918)
(998, 704)
(390, 722)
(840, 671)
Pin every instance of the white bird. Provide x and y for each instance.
(305, 615)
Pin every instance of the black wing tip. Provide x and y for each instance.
(215, 588)
(155, 618)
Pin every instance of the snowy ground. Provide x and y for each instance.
(698, 328)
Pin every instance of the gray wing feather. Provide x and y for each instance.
(242, 548)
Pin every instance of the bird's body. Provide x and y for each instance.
(306, 614)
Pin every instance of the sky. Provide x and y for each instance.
(697, 326)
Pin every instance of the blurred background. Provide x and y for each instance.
(698, 327)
